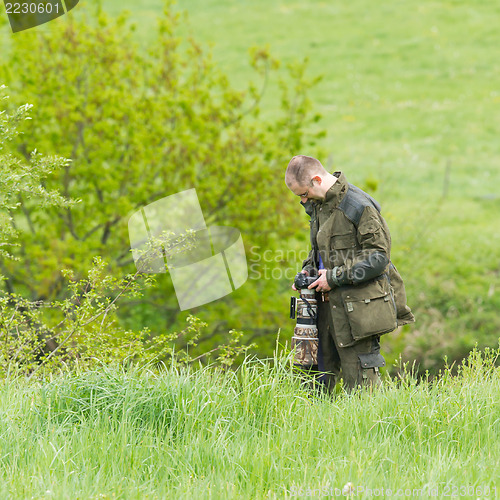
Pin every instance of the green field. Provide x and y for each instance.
(253, 434)
(410, 100)
(407, 87)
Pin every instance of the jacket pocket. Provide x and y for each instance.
(370, 308)
(342, 248)
(342, 241)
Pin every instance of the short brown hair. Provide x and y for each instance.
(301, 169)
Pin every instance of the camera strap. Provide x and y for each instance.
(310, 309)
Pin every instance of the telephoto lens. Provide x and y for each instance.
(305, 334)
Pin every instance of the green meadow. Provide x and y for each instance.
(410, 103)
(255, 434)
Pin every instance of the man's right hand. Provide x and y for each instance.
(303, 272)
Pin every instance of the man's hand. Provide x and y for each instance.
(293, 284)
(321, 284)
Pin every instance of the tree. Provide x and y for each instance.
(140, 126)
(19, 180)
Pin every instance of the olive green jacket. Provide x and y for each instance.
(368, 295)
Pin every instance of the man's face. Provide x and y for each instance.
(309, 192)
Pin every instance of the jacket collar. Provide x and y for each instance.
(336, 193)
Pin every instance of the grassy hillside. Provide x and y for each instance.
(407, 87)
(251, 434)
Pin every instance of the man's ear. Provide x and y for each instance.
(317, 178)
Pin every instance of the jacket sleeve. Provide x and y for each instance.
(373, 256)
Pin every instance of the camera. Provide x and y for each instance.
(303, 281)
(305, 334)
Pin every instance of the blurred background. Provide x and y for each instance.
(149, 98)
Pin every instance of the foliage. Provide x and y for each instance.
(40, 337)
(21, 181)
(141, 125)
(254, 433)
(82, 330)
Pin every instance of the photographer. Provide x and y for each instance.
(360, 293)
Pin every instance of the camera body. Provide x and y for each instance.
(301, 280)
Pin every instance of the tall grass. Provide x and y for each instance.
(253, 433)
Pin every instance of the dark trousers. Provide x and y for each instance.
(343, 362)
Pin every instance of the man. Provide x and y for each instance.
(360, 293)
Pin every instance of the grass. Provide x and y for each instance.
(406, 86)
(254, 433)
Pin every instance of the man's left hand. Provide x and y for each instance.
(321, 284)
